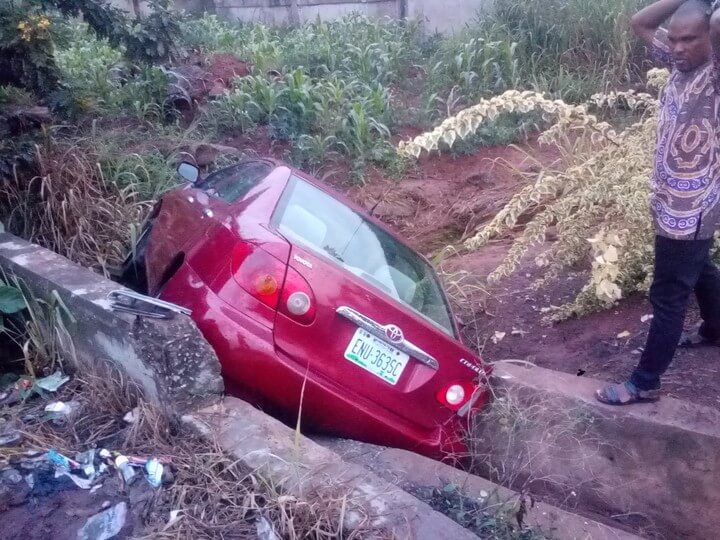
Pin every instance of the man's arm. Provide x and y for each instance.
(646, 22)
(715, 42)
(715, 27)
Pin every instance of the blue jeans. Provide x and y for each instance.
(681, 267)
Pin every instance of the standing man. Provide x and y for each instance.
(685, 184)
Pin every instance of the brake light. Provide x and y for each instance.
(297, 300)
(258, 272)
(455, 395)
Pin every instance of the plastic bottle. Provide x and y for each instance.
(154, 470)
(122, 464)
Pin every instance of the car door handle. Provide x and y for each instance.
(381, 332)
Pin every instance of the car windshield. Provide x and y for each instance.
(313, 218)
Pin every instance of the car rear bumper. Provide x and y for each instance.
(255, 370)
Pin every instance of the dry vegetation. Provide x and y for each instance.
(216, 496)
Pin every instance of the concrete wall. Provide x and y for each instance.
(652, 466)
(444, 16)
(277, 12)
(168, 360)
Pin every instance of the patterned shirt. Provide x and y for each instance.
(686, 169)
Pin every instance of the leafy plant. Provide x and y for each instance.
(599, 203)
(27, 32)
(97, 80)
(11, 299)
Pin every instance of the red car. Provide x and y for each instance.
(309, 301)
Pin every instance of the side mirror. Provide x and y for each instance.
(188, 171)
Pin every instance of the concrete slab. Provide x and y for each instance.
(654, 466)
(408, 471)
(168, 359)
(304, 467)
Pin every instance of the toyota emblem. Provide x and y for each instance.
(394, 333)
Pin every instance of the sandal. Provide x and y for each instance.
(693, 339)
(625, 394)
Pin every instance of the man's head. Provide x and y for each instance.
(689, 35)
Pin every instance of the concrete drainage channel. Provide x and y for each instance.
(653, 467)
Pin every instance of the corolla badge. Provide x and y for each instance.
(394, 334)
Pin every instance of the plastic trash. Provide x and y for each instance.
(132, 416)
(87, 462)
(123, 465)
(154, 470)
(82, 483)
(105, 525)
(265, 530)
(51, 383)
(59, 407)
(141, 460)
(61, 461)
(174, 517)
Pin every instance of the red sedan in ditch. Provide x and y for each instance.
(307, 298)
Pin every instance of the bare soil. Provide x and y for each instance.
(444, 199)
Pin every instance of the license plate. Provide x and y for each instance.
(376, 356)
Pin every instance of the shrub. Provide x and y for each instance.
(599, 202)
(86, 198)
(27, 32)
(26, 48)
(97, 80)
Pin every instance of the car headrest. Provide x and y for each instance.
(402, 286)
(301, 223)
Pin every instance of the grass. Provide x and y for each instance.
(527, 443)
(487, 517)
(85, 196)
(214, 494)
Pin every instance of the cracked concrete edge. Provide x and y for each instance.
(168, 360)
(668, 411)
(654, 464)
(408, 470)
(268, 446)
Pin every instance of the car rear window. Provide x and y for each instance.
(320, 222)
(233, 183)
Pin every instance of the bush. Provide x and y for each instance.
(599, 203)
(321, 117)
(86, 198)
(26, 48)
(27, 32)
(98, 80)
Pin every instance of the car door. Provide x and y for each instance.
(179, 221)
(188, 215)
(223, 201)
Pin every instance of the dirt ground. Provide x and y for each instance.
(444, 198)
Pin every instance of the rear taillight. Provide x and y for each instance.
(258, 272)
(297, 300)
(455, 395)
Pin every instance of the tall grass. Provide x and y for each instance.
(559, 40)
(568, 48)
(86, 197)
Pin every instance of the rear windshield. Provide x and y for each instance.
(320, 222)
